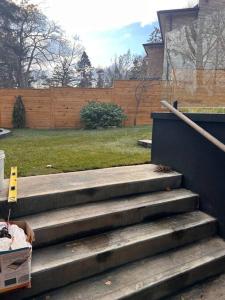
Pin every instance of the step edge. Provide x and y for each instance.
(187, 197)
(162, 236)
(187, 269)
(175, 175)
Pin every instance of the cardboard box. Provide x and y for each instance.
(15, 269)
(15, 265)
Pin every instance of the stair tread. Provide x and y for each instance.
(149, 272)
(90, 210)
(73, 181)
(54, 256)
(211, 289)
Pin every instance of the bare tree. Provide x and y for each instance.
(155, 36)
(30, 42)
(129, 67)
(139, 69)
(65, 70)
(124, 66)
(36, 36)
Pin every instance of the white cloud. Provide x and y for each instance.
(81, 16)
(90, 18)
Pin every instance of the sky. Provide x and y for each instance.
(108, 27)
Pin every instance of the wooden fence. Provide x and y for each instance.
(60, 107)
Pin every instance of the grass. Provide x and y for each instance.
(214, 110)
(73, 150)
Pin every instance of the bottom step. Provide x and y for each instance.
(211, 289)
(151, 278)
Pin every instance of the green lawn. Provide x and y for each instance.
(214, 110)
(73, 150)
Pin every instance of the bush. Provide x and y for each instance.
(102, 115)
(19, 114)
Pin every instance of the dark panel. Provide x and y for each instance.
(202, 164)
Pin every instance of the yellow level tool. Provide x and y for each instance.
(13, 185)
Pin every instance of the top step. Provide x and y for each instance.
(46, 192)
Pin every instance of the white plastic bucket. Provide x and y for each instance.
(2, 162)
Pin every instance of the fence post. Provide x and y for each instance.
(52, 104)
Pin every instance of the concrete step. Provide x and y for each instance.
(64, 224)
(151, 278)
(62, 264)
(145, 143)
(211, 289)
(42, 193)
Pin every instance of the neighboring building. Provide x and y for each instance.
(154, 59)
(185, 39)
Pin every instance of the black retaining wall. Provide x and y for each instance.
(202, 164)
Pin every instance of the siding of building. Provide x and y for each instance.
(154, 60)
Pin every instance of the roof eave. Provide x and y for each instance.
(194, 9)
(161, 44)
(180, 10)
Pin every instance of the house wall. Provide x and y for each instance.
(183, 20)
(212, 58)
(60, 107)
(196, 88)
(207, 5)
(156, 55)
(205, 35)
(211, 28)
(176, 21)
(154, 60)
(173, 23)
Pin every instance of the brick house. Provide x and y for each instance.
(174, 21)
